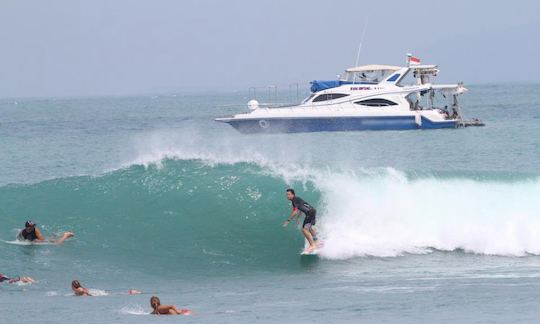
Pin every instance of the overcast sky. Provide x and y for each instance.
(112, 47)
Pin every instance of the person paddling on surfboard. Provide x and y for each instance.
(33, 234)
(78, 289)
(26, 280)
(300, 206)
(159, 309)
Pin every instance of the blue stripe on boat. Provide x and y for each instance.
(331, 124)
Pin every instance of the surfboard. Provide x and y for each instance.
(314, 252)
(17, 242)
(320, 244)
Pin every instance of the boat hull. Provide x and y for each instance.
(334, 124)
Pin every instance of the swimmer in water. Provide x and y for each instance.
(27, 280)
(33, 234)
(78, 289)
(166, 309)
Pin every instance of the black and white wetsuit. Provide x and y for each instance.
(310, 212)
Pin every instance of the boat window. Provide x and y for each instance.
(329, 96)
(377, 102)
(368, 77)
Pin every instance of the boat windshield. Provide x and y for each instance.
(374, 76)
(308, 98)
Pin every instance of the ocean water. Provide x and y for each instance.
(419, 226)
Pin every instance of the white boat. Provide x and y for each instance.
(369, 97)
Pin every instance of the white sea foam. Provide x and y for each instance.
(390, 215)
(98, 292)
(158, 146)
(134, 310)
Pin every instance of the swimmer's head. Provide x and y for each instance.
(290, 194)
(155, 302)
(75, 284)
(29, 224)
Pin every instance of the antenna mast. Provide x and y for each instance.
(360, 46)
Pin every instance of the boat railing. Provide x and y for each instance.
(271, 94)
(268, 97)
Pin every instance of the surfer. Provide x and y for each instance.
(300, 206)
(33, 234)
(3, 278)
(78, 289)
(166, 309)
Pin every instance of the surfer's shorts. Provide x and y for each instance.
(309, 220)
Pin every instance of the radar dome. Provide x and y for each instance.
(253, 104)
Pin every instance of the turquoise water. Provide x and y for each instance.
(419, 226)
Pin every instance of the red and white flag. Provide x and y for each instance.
(414, 60)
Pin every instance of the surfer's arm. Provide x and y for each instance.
(14, 280)
(298, 218)
(294, 213)
(39, 235)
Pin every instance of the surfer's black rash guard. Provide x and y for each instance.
(304, 207)
(29, 236)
